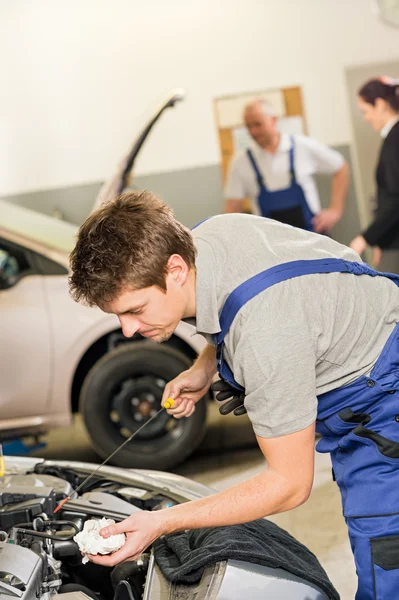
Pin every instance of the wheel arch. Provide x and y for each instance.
(108, 342)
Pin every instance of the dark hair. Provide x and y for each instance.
(126, 244)
(381, 87)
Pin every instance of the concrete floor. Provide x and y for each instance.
(228, 455)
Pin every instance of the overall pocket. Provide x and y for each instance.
(385, 565)
(375, 547)
(386, 446)
(334, 428)
(371, 466)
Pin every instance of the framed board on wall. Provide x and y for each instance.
(233, 136)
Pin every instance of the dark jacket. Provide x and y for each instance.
(384, 230)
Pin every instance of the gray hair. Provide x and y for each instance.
(265, 106)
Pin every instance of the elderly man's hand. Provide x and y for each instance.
(325, 220)
(141, 530)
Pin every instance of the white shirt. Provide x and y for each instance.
(310, 157)
(388, 126)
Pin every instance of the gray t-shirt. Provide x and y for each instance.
(301, 337)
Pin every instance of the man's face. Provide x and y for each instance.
(152, 313)
(261, 127)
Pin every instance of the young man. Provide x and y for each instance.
(277, 174)
(304, 330)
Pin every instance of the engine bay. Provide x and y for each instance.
(39, 558)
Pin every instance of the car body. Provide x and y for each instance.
(49, 342)
(36, 563)
(58, 357)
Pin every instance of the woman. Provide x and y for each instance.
(379, 102)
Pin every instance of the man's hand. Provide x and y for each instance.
(285, 483)
(325, 220)
(358, 244)
(186, 389)
(141, 530)
(224, 391)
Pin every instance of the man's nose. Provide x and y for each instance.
(130, 325)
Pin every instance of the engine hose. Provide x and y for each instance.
(42, 534)
(123, 591)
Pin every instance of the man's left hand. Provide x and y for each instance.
(141, 530)
(325, 220)
(223, 391)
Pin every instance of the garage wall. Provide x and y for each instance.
(193, 193)
(78, 79)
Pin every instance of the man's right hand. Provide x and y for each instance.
(186, 389)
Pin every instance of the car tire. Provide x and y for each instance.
(122, 391)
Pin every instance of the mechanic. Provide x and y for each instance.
(276, 173)
(309, 332)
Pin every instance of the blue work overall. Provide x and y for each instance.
(359, 425)
(288, 205)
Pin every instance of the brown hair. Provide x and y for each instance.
(126, 244)
(381, 87)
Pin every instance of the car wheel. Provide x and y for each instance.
(122, 391)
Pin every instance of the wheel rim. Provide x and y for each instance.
(135, 401)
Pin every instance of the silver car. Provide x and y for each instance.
(57, 357)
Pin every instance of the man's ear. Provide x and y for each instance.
(177, 268)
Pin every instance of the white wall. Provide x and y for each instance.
(78, 76)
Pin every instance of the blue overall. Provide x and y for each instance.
(288, 205)
(359, 425)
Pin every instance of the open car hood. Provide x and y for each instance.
(39, 559)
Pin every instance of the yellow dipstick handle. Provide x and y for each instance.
(169, 403)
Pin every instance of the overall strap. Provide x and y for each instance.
(261, 281)
(255, 167)
(200, 223)
(292, 160)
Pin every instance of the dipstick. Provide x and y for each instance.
(168, 404)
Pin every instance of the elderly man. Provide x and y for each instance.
(306, 335)
(277, 175)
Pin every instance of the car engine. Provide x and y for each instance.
(40, 560)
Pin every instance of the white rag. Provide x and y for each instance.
(90, 541)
